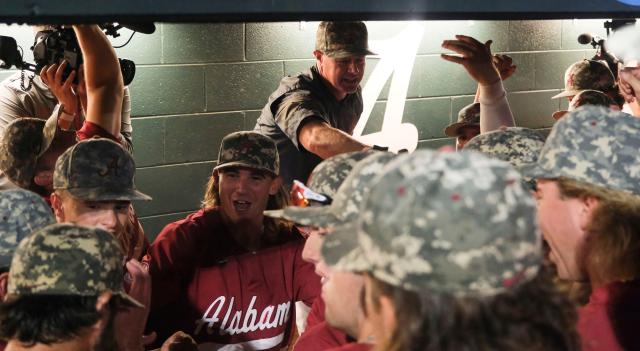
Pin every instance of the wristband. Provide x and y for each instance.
(65, 120)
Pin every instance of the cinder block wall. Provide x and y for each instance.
(197, 82)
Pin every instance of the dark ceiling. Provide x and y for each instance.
(73, 11)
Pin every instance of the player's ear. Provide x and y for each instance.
(276, 183)
(4, 281)
(58, 209)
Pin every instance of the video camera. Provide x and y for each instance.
(599, 43)
(59, 43)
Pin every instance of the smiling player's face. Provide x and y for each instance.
(244, 193)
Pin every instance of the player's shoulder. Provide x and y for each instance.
(194, 225)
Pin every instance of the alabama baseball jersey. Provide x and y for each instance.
(227, 298)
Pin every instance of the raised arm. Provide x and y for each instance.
(476, 58)
(325, 141)
(104, 84)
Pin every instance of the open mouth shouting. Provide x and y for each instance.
(241, 206)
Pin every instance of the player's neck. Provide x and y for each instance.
(248, 234)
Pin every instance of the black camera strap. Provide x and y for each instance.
(24, 77)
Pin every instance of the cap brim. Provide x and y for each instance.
(566, 93)
(344, 53)
(128, 300)
(49, 133)
(534, 171)
(108, 195)
(243, 164)
(341, 249)
(315, 216)
(452, 129)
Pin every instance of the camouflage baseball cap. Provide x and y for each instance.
(454, 223)
(326, 178)
(66, 259)
(468, 116)
(346, 203)
(249, 149)
(24, 141)
(592, 144)
(516, 145)
(329, 174)
(21, 213)
(99, 170)
(587, 74)
(343, 39)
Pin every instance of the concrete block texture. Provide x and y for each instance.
(148, 141)
(535, 35)
(183, 145)
(437, 31)
(280, 40)
(167, 90)
(191, 43)
(154, 224)
(176, 188)
(524, 77)
(432, 76)
(250, 118)
(142, 49)
(241, 86)
(534, 109)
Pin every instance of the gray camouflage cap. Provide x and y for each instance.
(587, 74)
(516, 145)
(592, 144)
(21, 213)
(66, 259)
(326, 178)
(24, 141)
(249, 149)
(329, 174)
(454, 223)
(343, 39)
(468, 116)
(98, 170)
(346, 203)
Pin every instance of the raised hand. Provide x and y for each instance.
(63, 91)
(475, 57)
(505, 66)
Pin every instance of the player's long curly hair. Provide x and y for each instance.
(271, 226)
(533, 316)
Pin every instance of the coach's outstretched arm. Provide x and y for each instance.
(104, 84)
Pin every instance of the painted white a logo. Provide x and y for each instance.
(397, 57)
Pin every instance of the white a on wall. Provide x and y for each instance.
(397, 57)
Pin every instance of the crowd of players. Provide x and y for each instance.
(308, 239)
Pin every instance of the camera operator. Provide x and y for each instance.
(46, 97)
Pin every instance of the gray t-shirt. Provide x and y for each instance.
(297, 100)
(39, 102)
